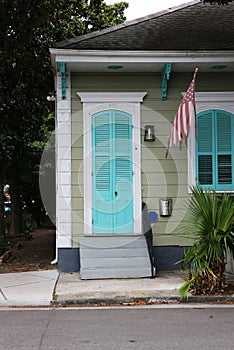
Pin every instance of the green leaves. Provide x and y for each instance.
(27, 30)
(219, 2)
(210, 221)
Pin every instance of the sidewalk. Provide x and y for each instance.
(34, 288)
(45, 288)
(71, 290)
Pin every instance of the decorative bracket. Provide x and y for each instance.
(165, 72)
(62, 67)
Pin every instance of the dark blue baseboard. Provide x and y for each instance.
(68, 259)
(166, 258)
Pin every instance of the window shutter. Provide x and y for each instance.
(214, 150)
(205, 149)
(224, 148)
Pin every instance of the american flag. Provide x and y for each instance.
(183, 119)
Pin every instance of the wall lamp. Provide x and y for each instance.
(51, 97)
(149, 133)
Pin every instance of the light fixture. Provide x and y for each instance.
(114, 67)
(219, 66)
(51, 97)
(149, 133)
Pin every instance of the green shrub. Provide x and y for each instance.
(210, 222)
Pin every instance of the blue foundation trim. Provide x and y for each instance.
(68, 259)
(165, 258)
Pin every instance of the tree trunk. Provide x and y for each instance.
(16, 211)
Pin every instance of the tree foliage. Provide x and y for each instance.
(27, 30)
(219, 2)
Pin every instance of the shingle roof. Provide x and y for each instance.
(191, 26)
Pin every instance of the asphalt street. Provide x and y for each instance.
(117, 328)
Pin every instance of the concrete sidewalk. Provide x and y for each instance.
(70, 289)
(33, 288)
(45, 288)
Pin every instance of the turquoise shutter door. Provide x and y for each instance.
(123, 201)
(112, 173)
(204, 150)
(102, 187)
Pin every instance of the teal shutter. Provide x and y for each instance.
(205, 149)
(112, 173)
(101, 172)
(224, 150)
(214, 150)
(123, 201)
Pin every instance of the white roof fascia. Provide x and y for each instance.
(101, 56)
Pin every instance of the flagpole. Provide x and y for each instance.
(196, 70)
(182, 121)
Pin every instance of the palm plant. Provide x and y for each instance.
(211, 222)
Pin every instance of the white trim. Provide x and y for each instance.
(102, 97)
(112, 56)
(128, 102)
(206, 101)
(63, 166)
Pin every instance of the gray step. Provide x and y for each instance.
(109, 253)
(114, 257)
(112, 242)
(114, 273)
(113, 262)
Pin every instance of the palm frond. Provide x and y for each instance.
(210, 221)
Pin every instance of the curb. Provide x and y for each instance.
(146, 300)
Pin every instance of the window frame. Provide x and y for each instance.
(206, 101)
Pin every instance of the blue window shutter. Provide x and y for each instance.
(224, 134)
(215, 150)
(205, 149)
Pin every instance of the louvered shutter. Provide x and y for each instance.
(224, 136)
(123, 204)
(214, 150)
(205, 149)
(102, 164)
(112, 173)
(123, 145)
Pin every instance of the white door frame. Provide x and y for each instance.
(129, 102)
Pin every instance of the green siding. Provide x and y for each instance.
(160, 177)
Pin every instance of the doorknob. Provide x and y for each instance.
(116, 193)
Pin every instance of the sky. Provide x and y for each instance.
(141, 8)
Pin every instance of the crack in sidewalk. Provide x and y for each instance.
(3, 294)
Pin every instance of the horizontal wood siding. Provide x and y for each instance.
(160, 177)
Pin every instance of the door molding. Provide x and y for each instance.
(128, 102)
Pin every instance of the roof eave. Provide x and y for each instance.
(95, 56)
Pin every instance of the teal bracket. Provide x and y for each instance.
(62, 67)
(165, 72)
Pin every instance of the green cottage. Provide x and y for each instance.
(117, 93)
